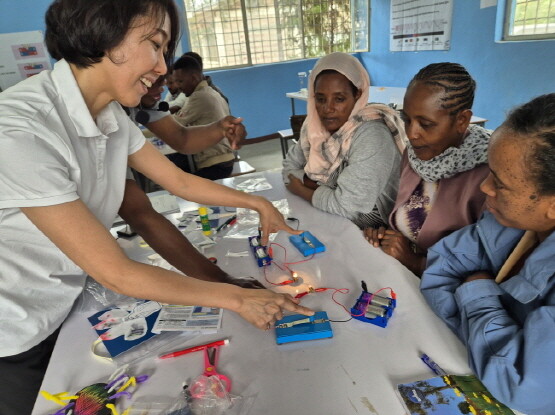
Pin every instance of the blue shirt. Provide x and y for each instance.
(508, 328)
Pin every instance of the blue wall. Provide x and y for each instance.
(507, 73)
(22, 15)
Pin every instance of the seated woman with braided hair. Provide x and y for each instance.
(442, 166)
(347, 159)
(493, 282)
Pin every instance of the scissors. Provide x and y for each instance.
(210, 362)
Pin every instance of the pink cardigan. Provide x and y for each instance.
(458, 202)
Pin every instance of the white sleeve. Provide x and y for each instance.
(33, 172)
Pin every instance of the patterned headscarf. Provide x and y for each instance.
(323, 151)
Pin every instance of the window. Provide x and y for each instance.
(228, 33)
(529, 20)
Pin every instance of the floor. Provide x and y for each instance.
(265, 155)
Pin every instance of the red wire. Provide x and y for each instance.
(267, 280)
(346, 291)
(299, 262)
(370, 299)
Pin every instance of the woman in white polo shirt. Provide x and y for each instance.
(65, 144)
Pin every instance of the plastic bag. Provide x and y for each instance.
(241, 232)
(95, 297)
(249, 217)
(207, 395)
(179, 406)
(255, 183)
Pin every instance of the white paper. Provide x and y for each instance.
(164, 203)
(422, 25)
(188, 318)
(22, 55)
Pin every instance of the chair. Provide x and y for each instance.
(291, 134)
(241, 167)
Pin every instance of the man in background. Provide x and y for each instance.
(175, 98)
(207, 78)
(204, 106)
(137, 211)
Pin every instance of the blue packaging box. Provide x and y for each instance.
(304, 331)
(307, 243)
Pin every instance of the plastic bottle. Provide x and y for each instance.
(204, 221)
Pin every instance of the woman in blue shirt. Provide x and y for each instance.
(493, 282)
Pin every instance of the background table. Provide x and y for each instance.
(354, 372)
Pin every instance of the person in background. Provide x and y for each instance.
(348, 156)
(493, 282)
(207, 78)
(168, 241)
(175, 98)
(185, 139)
(204, 106)
(66, 144)
(441, 169)
(158, 232)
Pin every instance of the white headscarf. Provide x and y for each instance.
(323, 151)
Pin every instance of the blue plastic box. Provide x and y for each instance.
(307, 243)
(305, 331)
(360, 308)
(260, 252)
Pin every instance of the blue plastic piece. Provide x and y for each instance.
(307, 243)
(304, 331)
(359, 310)
(260, 252)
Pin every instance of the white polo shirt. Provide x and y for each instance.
(52, 152)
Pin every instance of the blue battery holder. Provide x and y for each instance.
(358, 311)
(304, 331)
(307, 243)
(259, 251)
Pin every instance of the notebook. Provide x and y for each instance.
(450, 395)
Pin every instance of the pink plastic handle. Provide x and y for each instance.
(210, 367)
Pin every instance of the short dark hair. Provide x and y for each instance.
(536, 120)
(333, 71)
(196, 56)
(187, 64)
(454, 79)
(83, 31)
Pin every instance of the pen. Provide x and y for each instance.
(433, 365)
(227, 222)
(194, 349)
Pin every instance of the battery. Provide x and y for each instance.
(370, 315)
(377, 310)
(379, 300)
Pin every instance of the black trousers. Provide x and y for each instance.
(21, 376)
(214, 172)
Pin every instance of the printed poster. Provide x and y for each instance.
(418, 25)
(22, 55)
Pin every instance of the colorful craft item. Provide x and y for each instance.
(95, 399)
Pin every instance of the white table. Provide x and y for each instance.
(355, 372)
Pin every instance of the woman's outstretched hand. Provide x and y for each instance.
(263, 308)
(271, 220)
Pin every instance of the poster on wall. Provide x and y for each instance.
(420, 25)
(22, 55)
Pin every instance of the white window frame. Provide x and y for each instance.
(509, 21)
(358, 38)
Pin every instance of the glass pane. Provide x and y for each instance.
(277, 30)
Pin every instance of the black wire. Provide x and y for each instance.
(340, 321)
(296, 220)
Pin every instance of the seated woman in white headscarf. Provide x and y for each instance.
(348, 157)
